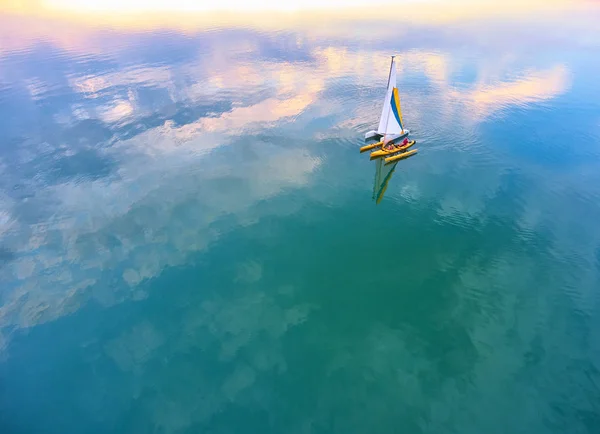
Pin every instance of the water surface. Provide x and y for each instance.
(189, 241)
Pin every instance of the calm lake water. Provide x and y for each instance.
(189, 240)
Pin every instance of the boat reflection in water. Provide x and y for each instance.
(383, 174)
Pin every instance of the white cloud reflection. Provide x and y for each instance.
(162, 169)
(145, 176)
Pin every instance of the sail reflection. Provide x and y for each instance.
(383, 174)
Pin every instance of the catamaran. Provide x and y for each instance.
(391, 126)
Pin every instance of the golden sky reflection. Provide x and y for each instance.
(187, 15)
(297, 87)
(76, 25)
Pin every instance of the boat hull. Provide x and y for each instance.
(371, 146)
(402, 156)
(374, 135)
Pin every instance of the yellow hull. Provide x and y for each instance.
(402, 156)
(369, 147)
(384, 152)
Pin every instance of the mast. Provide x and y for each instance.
(388, 86)
(390, 73)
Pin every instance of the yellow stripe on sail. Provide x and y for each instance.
(396, 106)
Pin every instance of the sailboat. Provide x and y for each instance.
(391, 126)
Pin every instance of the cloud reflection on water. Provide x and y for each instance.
(194, 150)
(261, 94)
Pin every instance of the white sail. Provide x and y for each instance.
(385, 113)
(393, 126)
(391, 116)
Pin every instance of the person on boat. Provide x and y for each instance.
(401, 145)
(388, 146)
(391, 146)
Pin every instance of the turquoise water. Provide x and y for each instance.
(189, 241)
